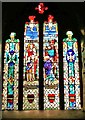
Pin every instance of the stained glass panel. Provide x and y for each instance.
(71, 73)
(11, 74)
(51, 64)
(31, 65)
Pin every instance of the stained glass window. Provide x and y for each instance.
(71, 73)
(31, 65)
(11, 74)
(51, 64)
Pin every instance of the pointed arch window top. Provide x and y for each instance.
(50, 18)
(31, 18)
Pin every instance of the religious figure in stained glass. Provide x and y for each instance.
(51, 64)
(71, 72)
(11, 74)
(31, 65)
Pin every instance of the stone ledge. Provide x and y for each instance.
(44, 114)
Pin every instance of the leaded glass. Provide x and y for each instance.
(51, 64)
(71, 73)
(31, 65)
(11, 74)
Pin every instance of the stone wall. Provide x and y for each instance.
(83, 71)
